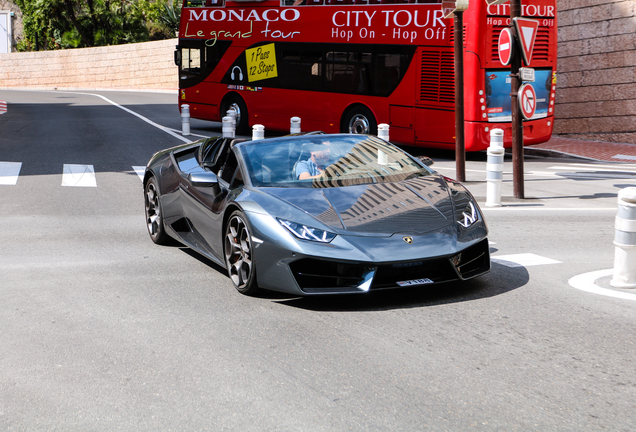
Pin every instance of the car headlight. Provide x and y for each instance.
(469, 216)
(305, 232)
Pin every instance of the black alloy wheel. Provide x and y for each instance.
(239, 256)
(154, 218)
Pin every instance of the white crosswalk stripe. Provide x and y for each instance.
(522, 260)
(74, 175)
(79, 175)
(9, 172)
(84, 175)
(140, 170)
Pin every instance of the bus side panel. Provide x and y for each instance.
(275, 112)
(402, 120)
(435, 128)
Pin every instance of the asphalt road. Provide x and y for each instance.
(100, 329)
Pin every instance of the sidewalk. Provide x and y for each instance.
(595, 150)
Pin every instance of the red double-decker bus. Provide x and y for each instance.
(347, 65)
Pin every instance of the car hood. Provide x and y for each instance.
(415, 206)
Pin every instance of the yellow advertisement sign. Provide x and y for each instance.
(261, 63)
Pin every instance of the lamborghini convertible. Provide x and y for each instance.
(315, 214)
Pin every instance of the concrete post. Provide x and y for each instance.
(228, 127)
(185, 119)
(625, 240)
(494, 168)
(294, 127)
(258, 132)
(383, 131)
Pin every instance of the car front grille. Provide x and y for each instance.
(315, 276)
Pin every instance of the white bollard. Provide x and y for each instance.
(228, 127)
(294, 127)
(494, 168)
(625, 240)
(232, 114)
(258, 132)
(383, 131)
(185, 119)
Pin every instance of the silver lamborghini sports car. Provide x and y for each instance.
(315, 214)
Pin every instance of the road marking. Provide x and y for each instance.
(586, 282)
(543, 174)
(141, 171)
(191, 134)
(79, 175)
(626, 157)
(612, 166)
(571, 167)
(597, 168)
(147, 120)
(534, 207)
(9, 172)
(523, 260)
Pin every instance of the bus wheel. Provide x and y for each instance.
(236, 102)
(360, 120)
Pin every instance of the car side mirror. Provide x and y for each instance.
(203, 179)
(425, 160)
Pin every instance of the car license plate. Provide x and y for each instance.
(415, 282)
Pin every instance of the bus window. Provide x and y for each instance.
(388, 73)
(197, 60)
(301, 69)
(190, 60)
(348, 72)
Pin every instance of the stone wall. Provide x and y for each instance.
(140, 66)
(596, 84)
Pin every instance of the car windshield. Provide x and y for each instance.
(324, 161)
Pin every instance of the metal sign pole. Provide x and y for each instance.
(460, 147)
(517, 123)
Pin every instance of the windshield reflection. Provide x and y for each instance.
(326, 161)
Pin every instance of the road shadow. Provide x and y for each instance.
(500, 280)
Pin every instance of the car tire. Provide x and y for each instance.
(154, 215)
(242, 118)
(239, 254)
(360, 120)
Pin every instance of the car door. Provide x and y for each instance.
(204, 196)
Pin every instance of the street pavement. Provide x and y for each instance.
(592, 150)
(101, 329)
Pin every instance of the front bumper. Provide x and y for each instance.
(319, 276)
(352, 264)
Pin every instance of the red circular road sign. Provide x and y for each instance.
(527, 100)
(505, 46)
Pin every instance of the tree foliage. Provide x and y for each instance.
(56, 24)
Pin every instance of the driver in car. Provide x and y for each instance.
(320, 154)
